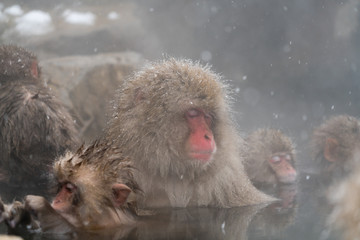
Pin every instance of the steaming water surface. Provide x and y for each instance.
(301, 215)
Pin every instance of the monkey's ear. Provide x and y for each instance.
(34, 69)
(121, 193)
(331, 149)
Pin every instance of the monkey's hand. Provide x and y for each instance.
(14, 214)
(36, 204)
(49, 220)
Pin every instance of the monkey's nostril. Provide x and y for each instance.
(207, 137)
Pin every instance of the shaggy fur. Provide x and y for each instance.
(263, 144)
(35, 128)
(94, 170)
(148, 123)
(346, 130)
(345, 198)
(16, 63)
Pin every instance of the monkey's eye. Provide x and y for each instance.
(69, 187)
(275, 159)
(193, 113)
(287, 157)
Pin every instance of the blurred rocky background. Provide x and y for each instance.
(290, 64)
(87, 84)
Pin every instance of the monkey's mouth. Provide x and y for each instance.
(291, 178)
(203, 156)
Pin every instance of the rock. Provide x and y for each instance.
(9, 237)
(86, 85)
(111, 26)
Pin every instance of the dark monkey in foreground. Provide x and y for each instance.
(34, 126)
(173, 119)
(92, 194)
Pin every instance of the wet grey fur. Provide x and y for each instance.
(35, 128)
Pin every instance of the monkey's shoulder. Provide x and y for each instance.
(33, 109)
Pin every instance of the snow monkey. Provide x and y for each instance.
(93, 185)
(336, 145)
(271, 157)
(173, 119)
(35, 128)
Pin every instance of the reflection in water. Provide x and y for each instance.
(198, 223)
(189, 223)
(274, 219)
(301, 214)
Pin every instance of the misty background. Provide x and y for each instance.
(290, 64)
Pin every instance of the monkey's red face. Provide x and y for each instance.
(281, 164)
(64, 199)
(201, 143)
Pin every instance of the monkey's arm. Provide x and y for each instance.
(50, 220)
(15, 214)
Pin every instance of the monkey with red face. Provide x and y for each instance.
(93, 185)
(172, 119)
(271, 157)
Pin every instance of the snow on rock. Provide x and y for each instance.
(81, 18)
(113, 15)
(35, 22)
(14, 10)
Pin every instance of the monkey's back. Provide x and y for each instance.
(34, 129)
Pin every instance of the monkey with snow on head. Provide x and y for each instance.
(173, 119)
(35, 127)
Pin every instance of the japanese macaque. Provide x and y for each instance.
(271, 157)
(345, 199)
(336, 145)
(93, 188)
(35, 128)
(172, 119)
